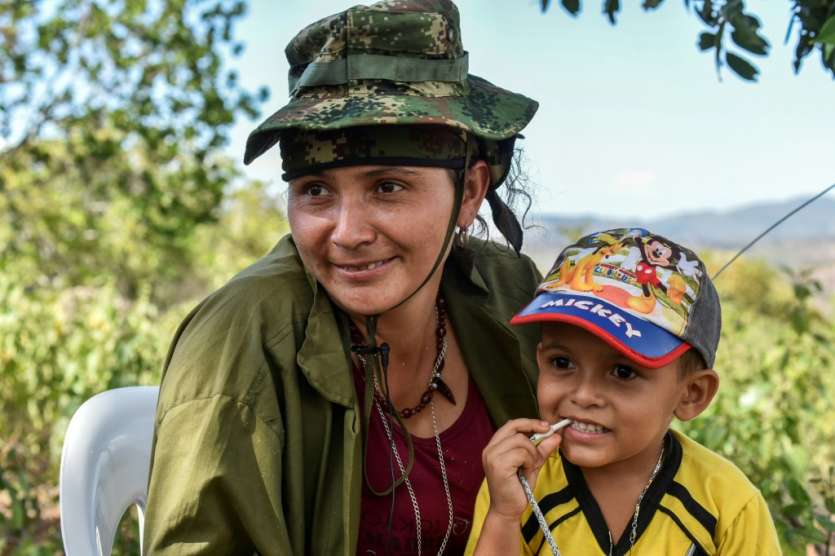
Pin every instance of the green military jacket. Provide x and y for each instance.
(257, 444)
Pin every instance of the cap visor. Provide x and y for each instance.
(643, 342)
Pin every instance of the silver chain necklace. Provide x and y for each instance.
(386, 426)
(546, 531)
(633, 534)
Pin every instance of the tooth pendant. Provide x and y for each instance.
(441, 386)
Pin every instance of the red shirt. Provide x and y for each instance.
(462, 445)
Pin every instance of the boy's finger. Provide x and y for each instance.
(549, 445)
(517, 442)
(524, 426)
(516, 451)
(506, 464)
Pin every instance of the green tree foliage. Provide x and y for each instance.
(73, 215)
(117, 212)
(730, 26)
(774, 415)
(113, 112)
(58, 348)
(61, 345)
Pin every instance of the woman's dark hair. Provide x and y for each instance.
(514, 191)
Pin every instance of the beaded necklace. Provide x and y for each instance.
(385, 408)
(436, 382)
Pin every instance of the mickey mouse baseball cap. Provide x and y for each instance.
(644, 295)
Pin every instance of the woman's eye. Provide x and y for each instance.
(389, 187)
(561, 362)
(315, 190)
(624, 372)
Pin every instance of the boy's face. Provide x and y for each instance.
(621, 410)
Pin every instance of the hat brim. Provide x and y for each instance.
(486, 110)
(643, 342)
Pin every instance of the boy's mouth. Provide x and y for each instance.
(586, 426)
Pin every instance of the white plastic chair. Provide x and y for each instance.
(104, 467)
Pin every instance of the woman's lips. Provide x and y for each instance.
(363, 269)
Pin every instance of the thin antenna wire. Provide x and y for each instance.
(767, 230)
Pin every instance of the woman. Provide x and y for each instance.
(335, 397)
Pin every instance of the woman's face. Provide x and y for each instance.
(370, 234)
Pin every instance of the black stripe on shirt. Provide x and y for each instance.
(652, 499)
(556, 524)
(699, 550)
(698, 511)
(594, 517)
(548, 503)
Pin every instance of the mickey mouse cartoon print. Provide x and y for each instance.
(655, 254)
(633, 269)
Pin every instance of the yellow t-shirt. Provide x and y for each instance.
(698, 504)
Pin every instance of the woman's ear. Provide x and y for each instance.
(698, 389)
(476, 184)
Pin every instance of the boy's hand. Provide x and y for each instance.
(508, 450)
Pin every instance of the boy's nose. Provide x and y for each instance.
(586, 393)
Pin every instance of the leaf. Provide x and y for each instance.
(611, 8)
(826, 522)
(707, 40)
(651, 4)
(706, 13)
(795, 510)
(572, 6)
(827, 33)
(798, 492)
(741, 67)
(750, 41)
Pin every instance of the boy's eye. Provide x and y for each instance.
(389, 187)
(624, 372)
(561, 362)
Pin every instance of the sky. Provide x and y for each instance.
(633, 120)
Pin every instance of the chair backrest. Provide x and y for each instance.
(104, 467)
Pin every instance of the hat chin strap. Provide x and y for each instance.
(378, 356)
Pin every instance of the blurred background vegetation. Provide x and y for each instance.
(118, 213)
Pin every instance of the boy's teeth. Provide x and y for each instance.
(586, 427)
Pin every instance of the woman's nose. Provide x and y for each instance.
(352, 224)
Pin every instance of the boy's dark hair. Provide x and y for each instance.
(690, 362)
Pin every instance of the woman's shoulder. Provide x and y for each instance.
(503, 270)
(220, 348)
(269, 291)
(279, 269)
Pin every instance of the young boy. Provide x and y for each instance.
(630, 326)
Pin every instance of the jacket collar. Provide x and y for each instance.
(497, 370)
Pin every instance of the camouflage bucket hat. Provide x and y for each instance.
(395, 62)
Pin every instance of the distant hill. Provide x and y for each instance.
(719, 228)
(807, 239)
